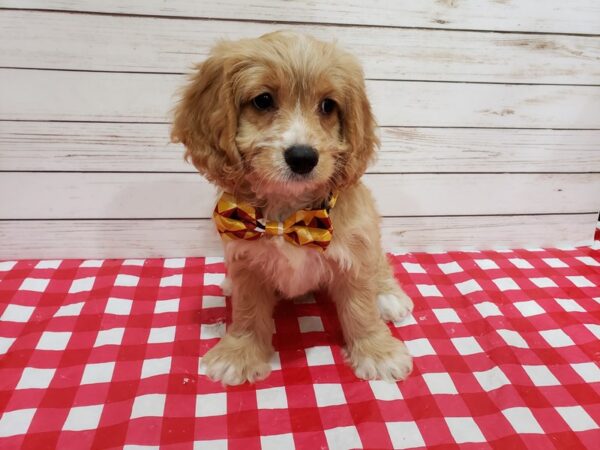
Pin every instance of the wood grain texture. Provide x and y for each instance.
(122, 97)
(139, 147)
(555, 16)
(144, 44)
(167, 195)
(170, 238)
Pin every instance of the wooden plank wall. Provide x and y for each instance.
(489, 115)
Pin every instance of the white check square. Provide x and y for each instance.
(466, 287)
(127, 280)
(569, 305)
(113, 336)
(343, 438)
(215, 444)
(133, 262)
(156, 366)
(419, 347)
(213, 301)
(33, 378)
(557, 338)
(487, 309)
(174, 263)
(593, 328)
(555, 262)
(446, 315)
(506, 284)
(580, 281)
(277, 442)
(208, 405)
(541, 375)
(161, 335)
(384, 390)
(5, 266)
(82, 285)
(491, 379)
(429, 290)
(213, 279)
(439, 383)
(450, 268)
(17, 313)
(413, 267)
(513, 338)
(271, 398)
(486, 264)
(54, 340)
(13, 423)
(34, 284)
(74, 309)
(464, 429)
(529, 308)
(92, 263)
(329, 394)
(149, 405)
(48, 264)
(466, 345)
(589, 372)
(543, 282)
(5, 344)
(522, 420)
(405, 435)
(83, 418)
(212, 330)
(520, 263)
(310, 323)
(118, 306)
(173, 280)
(98, 373)
(319, 356)
(588, 261)
(577, 418)
(164, 306)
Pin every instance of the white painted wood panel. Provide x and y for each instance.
(90, 96)
(557, 16)
(165, 195)
(169, 238)
(144, 44)
(144, 147)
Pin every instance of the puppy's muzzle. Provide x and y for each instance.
(301, 158)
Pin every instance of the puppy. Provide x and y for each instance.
(282, 125)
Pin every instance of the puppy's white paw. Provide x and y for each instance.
(227, 287)
(235, 360)
(388, 360)
(394, 307)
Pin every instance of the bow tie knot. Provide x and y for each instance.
(306, 227)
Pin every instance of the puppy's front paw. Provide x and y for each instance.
(235, 360)
(394, 306)
(381, 357)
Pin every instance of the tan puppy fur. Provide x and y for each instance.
(240, 148)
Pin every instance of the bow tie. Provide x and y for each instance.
(307, 227)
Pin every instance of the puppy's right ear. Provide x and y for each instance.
(206, 123)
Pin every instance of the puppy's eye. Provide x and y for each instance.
(327, 106)
(263, 101)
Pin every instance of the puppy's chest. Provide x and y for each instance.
(291, 269)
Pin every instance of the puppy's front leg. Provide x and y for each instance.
(244, 353)
(371, 349)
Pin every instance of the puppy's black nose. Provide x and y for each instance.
(301, 158)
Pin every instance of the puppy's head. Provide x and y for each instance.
(282, 114)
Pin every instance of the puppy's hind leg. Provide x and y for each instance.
(392, 301)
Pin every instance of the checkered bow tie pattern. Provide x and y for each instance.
(306, 227)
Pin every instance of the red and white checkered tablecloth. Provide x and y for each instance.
(105, 354)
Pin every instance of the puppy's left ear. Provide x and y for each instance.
(358, 125)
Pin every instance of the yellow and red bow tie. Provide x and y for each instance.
(307, 227)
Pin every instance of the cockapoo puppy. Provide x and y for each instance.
(282, 125)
